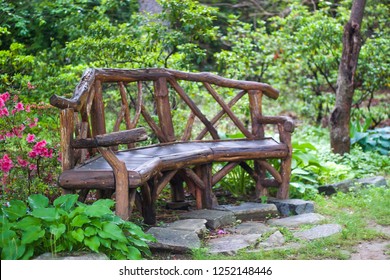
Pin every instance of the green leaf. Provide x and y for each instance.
(79, 221)
(89, 231)
(78, 210)
(17, 209)
(92, 243)
(97, 211)
(13, 251)
(6, 237)
(134, 254)
(32, 234)
(108, 203)
(112, 231)
(66, 202)
(120, 246)
(38, 201)
(57, 230)
(359, 136)
(29, 252)
(78, 234)
(105, 242)
(27, 222)
(46, 214)
(136, 242)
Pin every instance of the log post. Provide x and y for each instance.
(255, 104)
(148, 205)
(97, 111)
(67, 128)
(121, 182)
(164, 108)
(285, 167)
(208, 199)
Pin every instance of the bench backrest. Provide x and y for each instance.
(173, 105)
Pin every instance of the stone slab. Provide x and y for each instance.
(251, 211)
(317, 232)
(231, 244)
(73, 256)
(215, 218)
(352, 185)
(295, 221)
(251, 228)
(174, 240)
(288, 207)
(276, 239)
(196, 225)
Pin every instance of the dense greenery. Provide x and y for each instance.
(37, 227)
(294, 46)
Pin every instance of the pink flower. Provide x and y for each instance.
(32, 166)
(32, 154)
(18, 130)
(32, 124)
(48, 153)
(4, 112)
(5, 96)
(28, 108)
(30, 86)
(221, 231)
(41, 144)
(22, 162)
(19, 107)
(2, 103)
(40, 149)
(9, 134)
(6, 164)
(30, 138)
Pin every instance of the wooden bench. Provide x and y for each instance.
(177, 131)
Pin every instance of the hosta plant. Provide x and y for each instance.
(32, 228)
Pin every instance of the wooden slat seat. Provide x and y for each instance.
(143, 163)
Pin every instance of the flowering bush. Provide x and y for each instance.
(27, 163)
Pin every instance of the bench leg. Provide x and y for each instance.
(209, 200)
(148, 204)
(177, 190)
(121, 183)
(260, 175)
(285, 172)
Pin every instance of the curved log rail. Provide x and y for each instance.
(122, 75)
(84, 133)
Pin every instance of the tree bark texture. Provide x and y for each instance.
(340, 117)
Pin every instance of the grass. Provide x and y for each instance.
(353, 211)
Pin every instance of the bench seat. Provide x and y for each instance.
(143, 163)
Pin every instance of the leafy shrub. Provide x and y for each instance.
(305, 169)
(25, 159)
(373, 140)
(28, 230)
(238, 182)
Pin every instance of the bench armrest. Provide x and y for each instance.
(287, 122)
(112, 139)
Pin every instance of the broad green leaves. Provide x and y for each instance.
(67, 225)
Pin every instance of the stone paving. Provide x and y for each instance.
(230, 228)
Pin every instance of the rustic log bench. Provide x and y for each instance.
(129, 144)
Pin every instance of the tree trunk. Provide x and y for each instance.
(340, 117)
